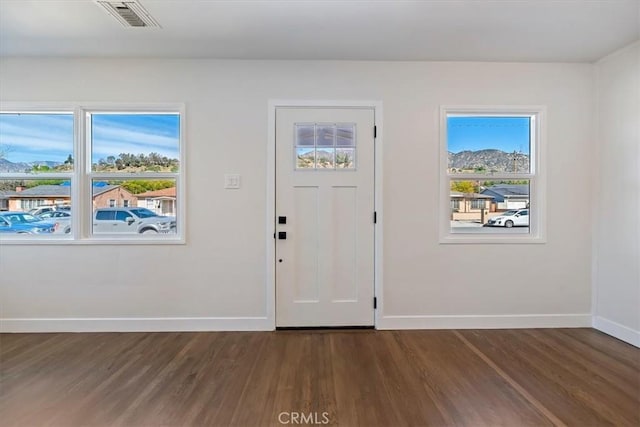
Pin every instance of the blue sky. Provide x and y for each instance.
(478, 133)
(33, 137)
(40, 137)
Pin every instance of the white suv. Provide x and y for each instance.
(514, 218)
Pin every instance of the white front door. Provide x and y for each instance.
(325, 205)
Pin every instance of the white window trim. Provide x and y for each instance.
(81, 230)
(537, 177)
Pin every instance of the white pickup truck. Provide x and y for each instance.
(131, 221)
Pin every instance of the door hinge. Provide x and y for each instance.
(375, 217)
(375, 131)
(375, 303)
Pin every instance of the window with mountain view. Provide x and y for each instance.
(491, 172)
(128, 162)
(135, 170)
(36, 174)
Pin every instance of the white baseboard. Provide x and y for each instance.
(617, 330)
(170, 324)
(177, 324)
(516, 321)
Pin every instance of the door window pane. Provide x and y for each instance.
(325, 135)
(316, 146)
(325, 158)
(346, 136)
(305, 135)
(345, 158)
(305, 158)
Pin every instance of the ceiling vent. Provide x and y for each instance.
(130, 14)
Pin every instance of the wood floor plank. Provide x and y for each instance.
(466, 386)
(403, 382)
(360, 399)
(358, 378)
(618, 384)
(621, 353)
(543, 368)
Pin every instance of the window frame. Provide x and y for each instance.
(82, 176)
(536, 176)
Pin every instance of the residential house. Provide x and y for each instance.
(508, 196)
(470, 206)
(111, 196)
(162, 202)
(4, 200)
(24, 199)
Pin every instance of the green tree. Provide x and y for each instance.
(40, 168)
(464, 186)
(142, 186)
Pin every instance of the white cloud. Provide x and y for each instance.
(103, 133)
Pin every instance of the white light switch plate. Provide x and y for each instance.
(231, 181)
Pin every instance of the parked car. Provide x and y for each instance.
(131, 221)
(24, 223)
(508, 219)
(61, 219)
(49, 208)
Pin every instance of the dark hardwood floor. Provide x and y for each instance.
(531, 377)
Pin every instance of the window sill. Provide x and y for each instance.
(486, 239)
(92, 241)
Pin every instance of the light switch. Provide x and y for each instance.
(231, 181)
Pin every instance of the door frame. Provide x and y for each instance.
(273, 105)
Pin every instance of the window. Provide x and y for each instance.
(478, 204)
(125, 158)
(105, 215)
(135, 155)
(122, 216)
(491, 175)
(36, 170)
(325, 146)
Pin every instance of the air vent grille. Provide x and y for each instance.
(129, 14)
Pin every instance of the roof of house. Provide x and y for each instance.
(97, 190)
(470, 195)
(55, 191)
(165, 192)
(5, 194)
(508, 190)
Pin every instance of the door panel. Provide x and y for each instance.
(325, 188)
(305, 238)
(344, 248)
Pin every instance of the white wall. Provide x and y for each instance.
(217, 280)
(616, 274)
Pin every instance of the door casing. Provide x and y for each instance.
(376, 107)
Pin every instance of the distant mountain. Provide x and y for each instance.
(7, 166)
(488, 161)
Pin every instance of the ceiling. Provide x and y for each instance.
(435, 30)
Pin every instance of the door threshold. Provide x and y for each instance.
(321, 328)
